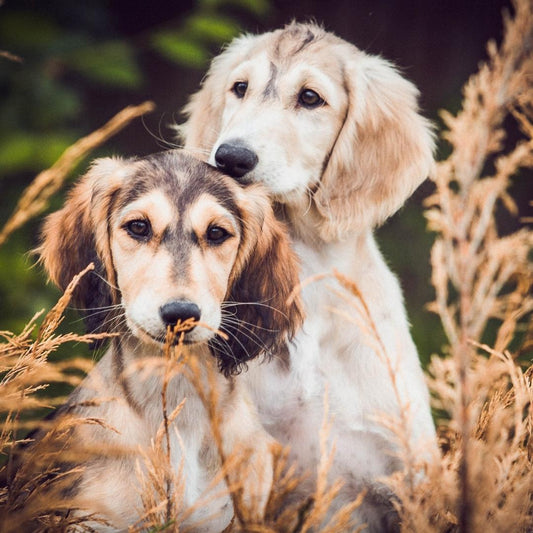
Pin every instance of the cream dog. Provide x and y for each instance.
(336, 137)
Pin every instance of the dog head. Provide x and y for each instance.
(173, 240)
(317, 121)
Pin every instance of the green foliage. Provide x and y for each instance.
(191, 43)
(110, 63)
(258, 7)
(212, 28)
(26, 151)
(178, 48)
(39, 32)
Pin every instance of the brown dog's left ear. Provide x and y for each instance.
(383, 151)
(259, 317)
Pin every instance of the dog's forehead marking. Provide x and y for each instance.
(282, 62)
(154, 204)
(271, 90)
(182, 179)
(294, 39)
(207, 209)
(167, 189)
(182, 239)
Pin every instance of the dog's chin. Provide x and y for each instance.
(274, 180)
(277, 186)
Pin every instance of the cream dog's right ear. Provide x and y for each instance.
(77, 235)
(383, 151)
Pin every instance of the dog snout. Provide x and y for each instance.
(235, 159)
(179, 311)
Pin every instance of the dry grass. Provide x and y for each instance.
(26, 372)
(163, 486)
(38, 475)
(483, 395)
(34, 199)
(482, 282)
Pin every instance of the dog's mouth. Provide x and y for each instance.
(180, 334)
(175, 339)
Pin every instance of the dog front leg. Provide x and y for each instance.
(248, 450)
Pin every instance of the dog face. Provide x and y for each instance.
(173, 264)
(317, 121)
(173, 240)
(264, 93)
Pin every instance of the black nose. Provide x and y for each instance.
(235, 159)
(179, 310)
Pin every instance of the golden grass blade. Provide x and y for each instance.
(36, 196)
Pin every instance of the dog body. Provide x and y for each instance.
(112, 487)
(335, 136)
(173, 242)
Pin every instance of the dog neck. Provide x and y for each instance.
(303, 220)
(144, 370)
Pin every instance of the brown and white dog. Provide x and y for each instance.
(336, 137)
(172, 240)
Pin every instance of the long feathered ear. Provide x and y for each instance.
(77, 235)
(261, 316)
(204, 110)
(383, 151)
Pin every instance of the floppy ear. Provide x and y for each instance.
(384, 149)
(204, 110)
(263, 317)
(77, 235)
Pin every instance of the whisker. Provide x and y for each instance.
(222, 345)
(100, 311)
(196, 151)
(256, 341)
(231, 354)
(250, 326)
(103, 307)
(115, 322)
(246, 333)
(104, 279)
(228, 303)
(310, 193)
(161, 141)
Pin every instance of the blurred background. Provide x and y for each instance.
(79, 63)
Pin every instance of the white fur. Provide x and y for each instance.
(335, 172)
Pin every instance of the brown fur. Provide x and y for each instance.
(261, 278)
(240, 285)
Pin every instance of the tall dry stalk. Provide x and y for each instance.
(34, 200)
(36, 495)
(482, 394)
(163, 486)
(32, 494)
(482, 282)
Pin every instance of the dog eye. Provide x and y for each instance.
(139, 229)
(216, 235)
(239, 88)
(310, 99)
